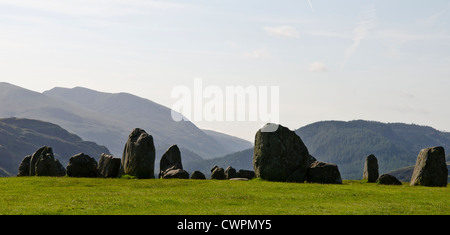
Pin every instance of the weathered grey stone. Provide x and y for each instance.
(171, 159)
(43, 151)
(82, 165)
(176, 174)
(198, 175)
(246, 174)
(47, 165)
(138, 158)
(371, 169)
(387, 179)
(217, 173)
(280, 155)
(230, 172)
(109, 166)
(43, 163)
(324, 173)
(24, 167)
(430, 169)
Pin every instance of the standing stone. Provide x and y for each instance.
(138, 157)
(109, 166)
(324, 173)
(24, 167)
(43, 151)
(217, 173)
(387, 179)
(197, 175)
(82, 165)
(371, 169)
(47, 165)
(430, 168)
(43, 163)
(230, 172)
(280, 155)
(171, 159)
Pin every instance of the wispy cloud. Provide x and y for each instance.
(310, 4)
(285, 31)
(257, 54)
(318, 67)
(366, 23)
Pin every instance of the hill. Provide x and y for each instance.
(347, 144)
(108, 118)
(21, 137)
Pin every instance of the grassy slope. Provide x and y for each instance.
(47, 195)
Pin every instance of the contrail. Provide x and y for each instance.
(309, 1)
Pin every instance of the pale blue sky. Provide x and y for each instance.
(380, 60)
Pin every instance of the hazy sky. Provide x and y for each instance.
(379, 60)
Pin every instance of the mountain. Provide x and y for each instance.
(89, 125)
(21, 137)
(347, 144)
(232, 143)
(108, 118)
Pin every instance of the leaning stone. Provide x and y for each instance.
(430, 168)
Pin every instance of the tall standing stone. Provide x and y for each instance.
(138, 157)
(280, 155)
(371, 169)
(430, 168)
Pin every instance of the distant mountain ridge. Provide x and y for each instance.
(21, 137)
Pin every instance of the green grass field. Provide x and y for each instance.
(64, 195)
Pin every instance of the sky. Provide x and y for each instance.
(381, 60)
